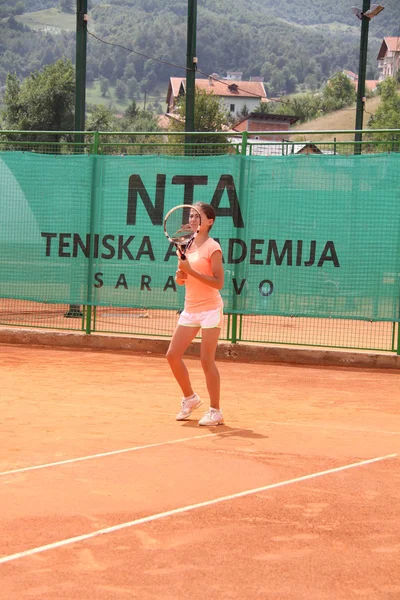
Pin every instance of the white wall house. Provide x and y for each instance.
(389, 57)
(235, 95)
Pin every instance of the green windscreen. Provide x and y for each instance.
(314, 235)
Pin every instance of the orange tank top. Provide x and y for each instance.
(199, 296)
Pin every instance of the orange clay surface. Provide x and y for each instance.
(94, 528)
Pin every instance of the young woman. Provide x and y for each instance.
(202, 274)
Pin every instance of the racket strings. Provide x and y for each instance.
(178, 228)
(181, 226)
(182, 234)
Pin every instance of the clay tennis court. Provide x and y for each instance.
(105, 496)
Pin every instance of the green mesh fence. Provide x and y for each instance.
(311, 236)
(275, 291)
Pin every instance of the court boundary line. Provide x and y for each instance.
(114, 452)
(333, 427)
(190, 507)
(180, 440)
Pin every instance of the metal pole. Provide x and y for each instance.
(238, 268)
(94, 218)
(191, 62)
(80, 99)
(80, 68)
(362, 68)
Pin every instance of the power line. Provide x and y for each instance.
(164, 62)
(186, 69)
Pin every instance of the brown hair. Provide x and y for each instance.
(208, 210)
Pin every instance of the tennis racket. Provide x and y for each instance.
(181, 225)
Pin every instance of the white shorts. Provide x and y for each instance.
(207, 319)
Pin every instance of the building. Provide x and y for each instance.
(308, 148)
(235, 95)
(352, 76)
(234, 75)
(389, 57)
(259, 122)
(370, 84)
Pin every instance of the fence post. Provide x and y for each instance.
(234, 329)
(244, 142)
(398, 338)
(93, 221)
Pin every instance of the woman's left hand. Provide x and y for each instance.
(184, 265)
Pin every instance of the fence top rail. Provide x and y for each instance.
(44, 132)
(328, 131)
(203, 133)
(241, 133)
(298, 142)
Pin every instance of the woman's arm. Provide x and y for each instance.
(216, 280)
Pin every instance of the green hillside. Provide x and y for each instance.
(51, 19)
(294, 46)
(337, 13)
(340, 120)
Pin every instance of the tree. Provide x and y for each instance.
(107, 67)
(10, 115)
(133, 87)
(139, 144)
(387, 115)
(14, 24)
(277, 82)
(156, 107)
(19, 8)
(290, 83)
(303, 106)
(104, 87)
(121, 89)
(66, 6)
(244, 112)
(311, 82)
(339, 92)
(45, 101)
(100, 119)
(132, 111)
(144, 121)
(209, 115)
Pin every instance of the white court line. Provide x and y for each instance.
(177, 511)
(322, 426)
(115, 452)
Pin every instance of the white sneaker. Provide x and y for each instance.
(212, 417)
(188, 405)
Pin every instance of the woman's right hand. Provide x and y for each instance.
(180, 277)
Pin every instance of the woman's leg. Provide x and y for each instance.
(177, 348)
(208, 348)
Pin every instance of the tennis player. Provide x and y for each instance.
(202, 274)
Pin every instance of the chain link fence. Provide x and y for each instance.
(298, 330)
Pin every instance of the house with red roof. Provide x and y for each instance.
(259, 122)
(370, 84)
(389, 57)
(235, 95)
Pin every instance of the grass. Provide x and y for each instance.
(52, 20)
(94, 96)
(343, 119)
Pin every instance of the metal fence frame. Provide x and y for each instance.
(264, 143)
